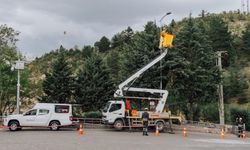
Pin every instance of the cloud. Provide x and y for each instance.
(42, 23)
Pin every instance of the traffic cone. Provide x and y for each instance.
(222, 134)
(157, 133)
(184, 132)
(81, 129)
(244, 135)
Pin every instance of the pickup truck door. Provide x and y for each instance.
(29, 118)
(43, 117)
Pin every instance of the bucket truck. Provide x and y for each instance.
(114, 113)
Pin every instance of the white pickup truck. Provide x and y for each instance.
(42, 115)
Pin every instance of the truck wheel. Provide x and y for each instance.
(54, 125)
(13, 125)
(160, 125)
(118, 124)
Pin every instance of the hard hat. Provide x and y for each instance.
(145, 108)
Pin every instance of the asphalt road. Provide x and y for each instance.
(100, 139)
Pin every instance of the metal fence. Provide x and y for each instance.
(89, 120)
(201, 124)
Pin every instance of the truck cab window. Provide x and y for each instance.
(115, 107)
(31, 113)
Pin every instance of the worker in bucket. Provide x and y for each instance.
(145, 117)
(166, 39)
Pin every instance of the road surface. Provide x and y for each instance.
(101, 139)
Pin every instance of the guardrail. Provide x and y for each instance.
(201, 124)
(90, 120)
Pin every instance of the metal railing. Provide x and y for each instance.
(89, 120)
(201, 124)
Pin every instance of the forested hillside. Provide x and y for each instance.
(189, 71)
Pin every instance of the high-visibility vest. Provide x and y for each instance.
(166, 40)
(134, 113)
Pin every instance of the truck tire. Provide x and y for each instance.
(13, 125)
(118, 125)
(54, 125)
(160, 125)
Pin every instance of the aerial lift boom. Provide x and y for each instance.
(124, 86)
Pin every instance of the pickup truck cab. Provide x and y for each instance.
(49, 115)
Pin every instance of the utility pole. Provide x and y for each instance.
(220, 89)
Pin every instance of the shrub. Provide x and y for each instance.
(92, 114)
(210, 112)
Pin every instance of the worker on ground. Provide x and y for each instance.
(166, 39)
(241, 126)
(145, 117)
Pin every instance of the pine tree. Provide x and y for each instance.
(93, 86)
(246, 40)
(122, 38)
(58, 85)
(103, 45)
(113, 64)
(140, 51)
(221, 39)
(190, 69)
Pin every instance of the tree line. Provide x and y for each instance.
(89, 76)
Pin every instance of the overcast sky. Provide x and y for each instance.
(42, 22)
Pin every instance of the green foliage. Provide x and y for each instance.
(191, 70)
(93, 114)
(58, 84)
(8, 78)
(221, 39)
(93, 86)
(122, 38)
(210, 112)
(235, 85)
(113, 64)
(246, 40)
(103, 45)
(142, 48)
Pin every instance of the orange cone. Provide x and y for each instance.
(222, 134)
(157, 133)
(244, 135)
(81, 129)
(184, 132)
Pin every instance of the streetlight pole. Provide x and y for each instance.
(168, 13)
(18, 66)
(220, 89)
